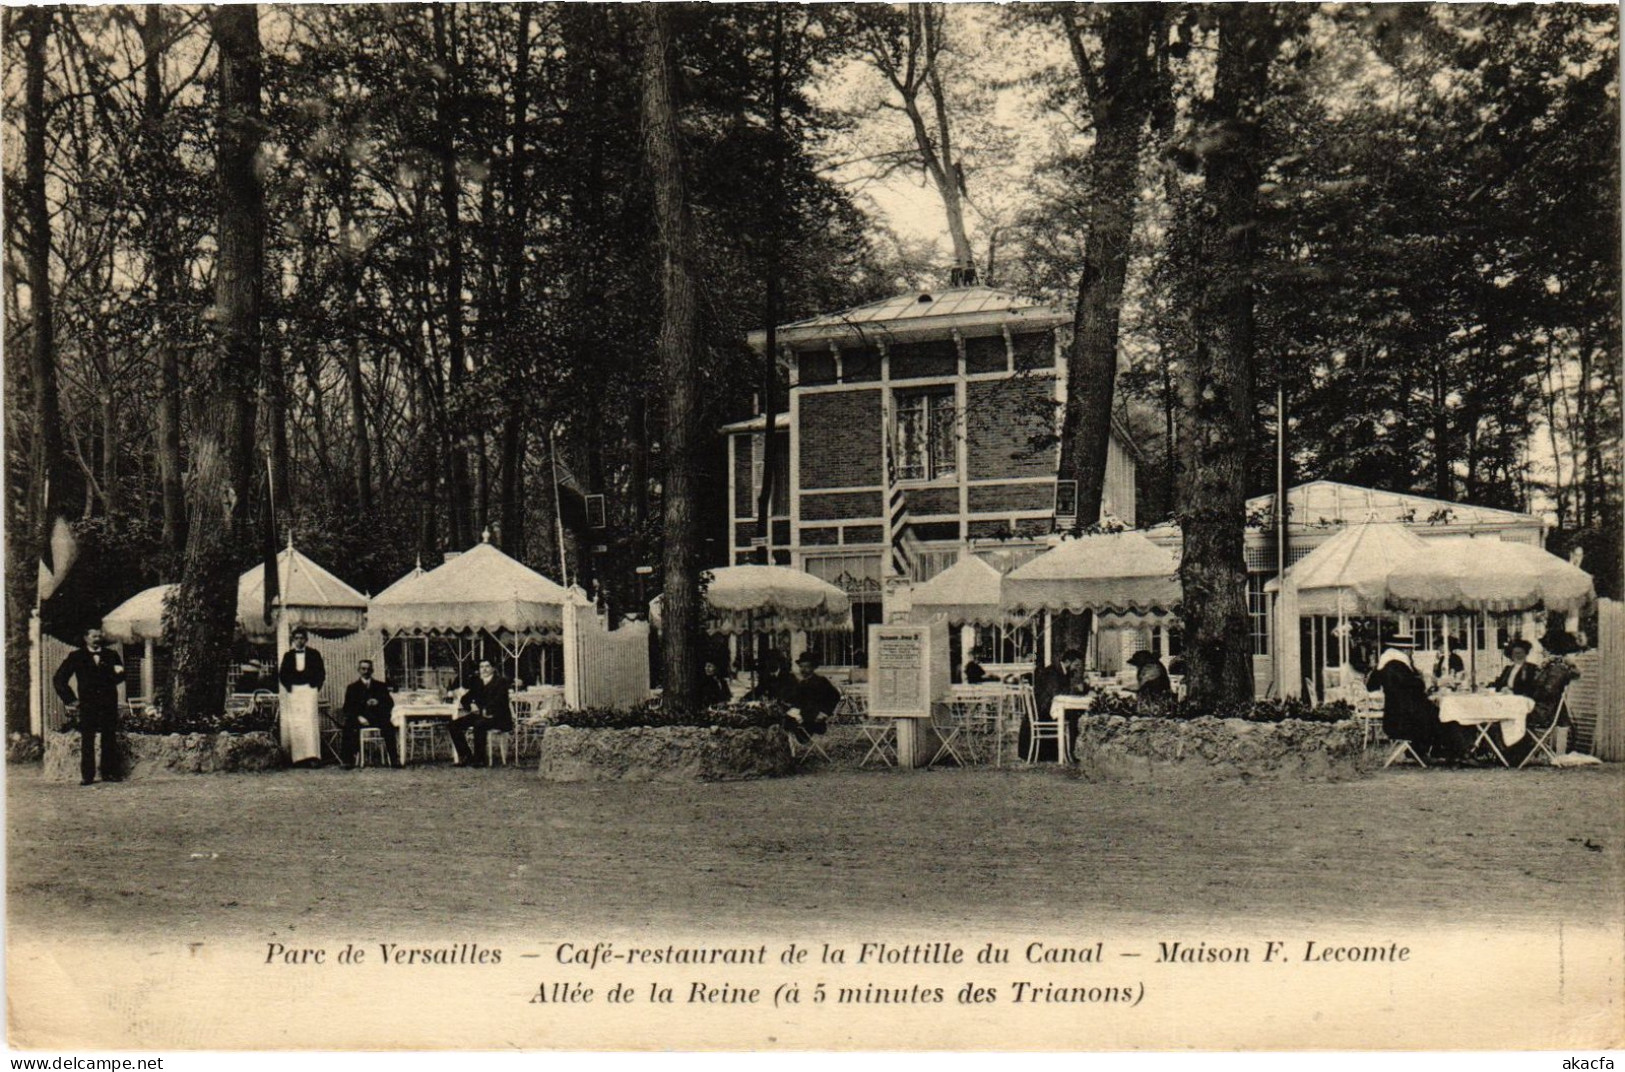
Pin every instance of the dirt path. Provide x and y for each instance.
(303, 851)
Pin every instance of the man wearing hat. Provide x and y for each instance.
(1154, 685)
(302, 675)
(1407, 713)
(810, 697)
(1520, 676)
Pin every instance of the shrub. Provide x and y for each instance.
(736, 716)
(245, 720)
(1246, 710)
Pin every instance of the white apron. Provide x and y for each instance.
(301, 724)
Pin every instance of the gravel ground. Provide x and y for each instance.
(318, 850)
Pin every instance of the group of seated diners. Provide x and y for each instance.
(1411, 713)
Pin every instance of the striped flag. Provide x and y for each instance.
(900, 539)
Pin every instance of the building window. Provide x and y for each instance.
(1010, 643)
(927, 446)
(781, 469)
(1258, 612)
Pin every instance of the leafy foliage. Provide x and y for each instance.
(737, 716)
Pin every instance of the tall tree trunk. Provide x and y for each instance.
(448, 108)
(678, 349)
(1120, 97)
(350, 253)
(159, 164)
(516, 222)
(201, 617)
(773, 202)
(1217, 403)
(29, 521)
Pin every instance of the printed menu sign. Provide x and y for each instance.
(899, 659)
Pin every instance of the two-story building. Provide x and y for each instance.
(955, 396)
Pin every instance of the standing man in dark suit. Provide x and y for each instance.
(302, 675)
(486, 708)
(98, 672)
(366, 700)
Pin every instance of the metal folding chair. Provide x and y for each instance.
(1542, 738)
(948, 721)
(882, 737)
(1401, 750)
(804, 751)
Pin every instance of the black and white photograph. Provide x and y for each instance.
(813, 527)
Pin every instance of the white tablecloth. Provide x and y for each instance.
(302, 723)
(1477, 708)
(1065, 702)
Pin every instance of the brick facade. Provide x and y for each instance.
(840, 506)
(1001, 419)
(840, 439)
(994, 352)
(1010, 498)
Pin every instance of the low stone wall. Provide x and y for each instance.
(663, 754)
(1172, 751)
(152, 755)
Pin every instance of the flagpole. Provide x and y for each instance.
(558, 507)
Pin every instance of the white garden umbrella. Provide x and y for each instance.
(773, 599)
(965, 593)
(1114, 574)
(1489, 576)
(141, 617)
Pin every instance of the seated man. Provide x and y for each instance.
(1152, 681)
(810, 697)
(486, 707)
(1048, 683)
(1407, 713)
(369, 701)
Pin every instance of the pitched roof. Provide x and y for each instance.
(479, 589)
(918, 312)
(1327, 502)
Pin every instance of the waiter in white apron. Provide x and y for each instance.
(301, 675)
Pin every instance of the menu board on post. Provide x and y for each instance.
(908, 669)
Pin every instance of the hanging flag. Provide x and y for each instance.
(270, 545)
(903, 547)
(576, 506)
(58, 546)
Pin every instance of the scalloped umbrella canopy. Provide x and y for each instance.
(1487, 575)
(965, 593)
(141, 617)
(770, 599)
(479, 589)
(1348, 574)
(309, 596)
(1114, 574)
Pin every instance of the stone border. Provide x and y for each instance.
(154, 755)
(663, 754)
(1176, 751)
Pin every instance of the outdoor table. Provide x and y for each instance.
(1486, 709)
(981, 705)
(422, 711)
